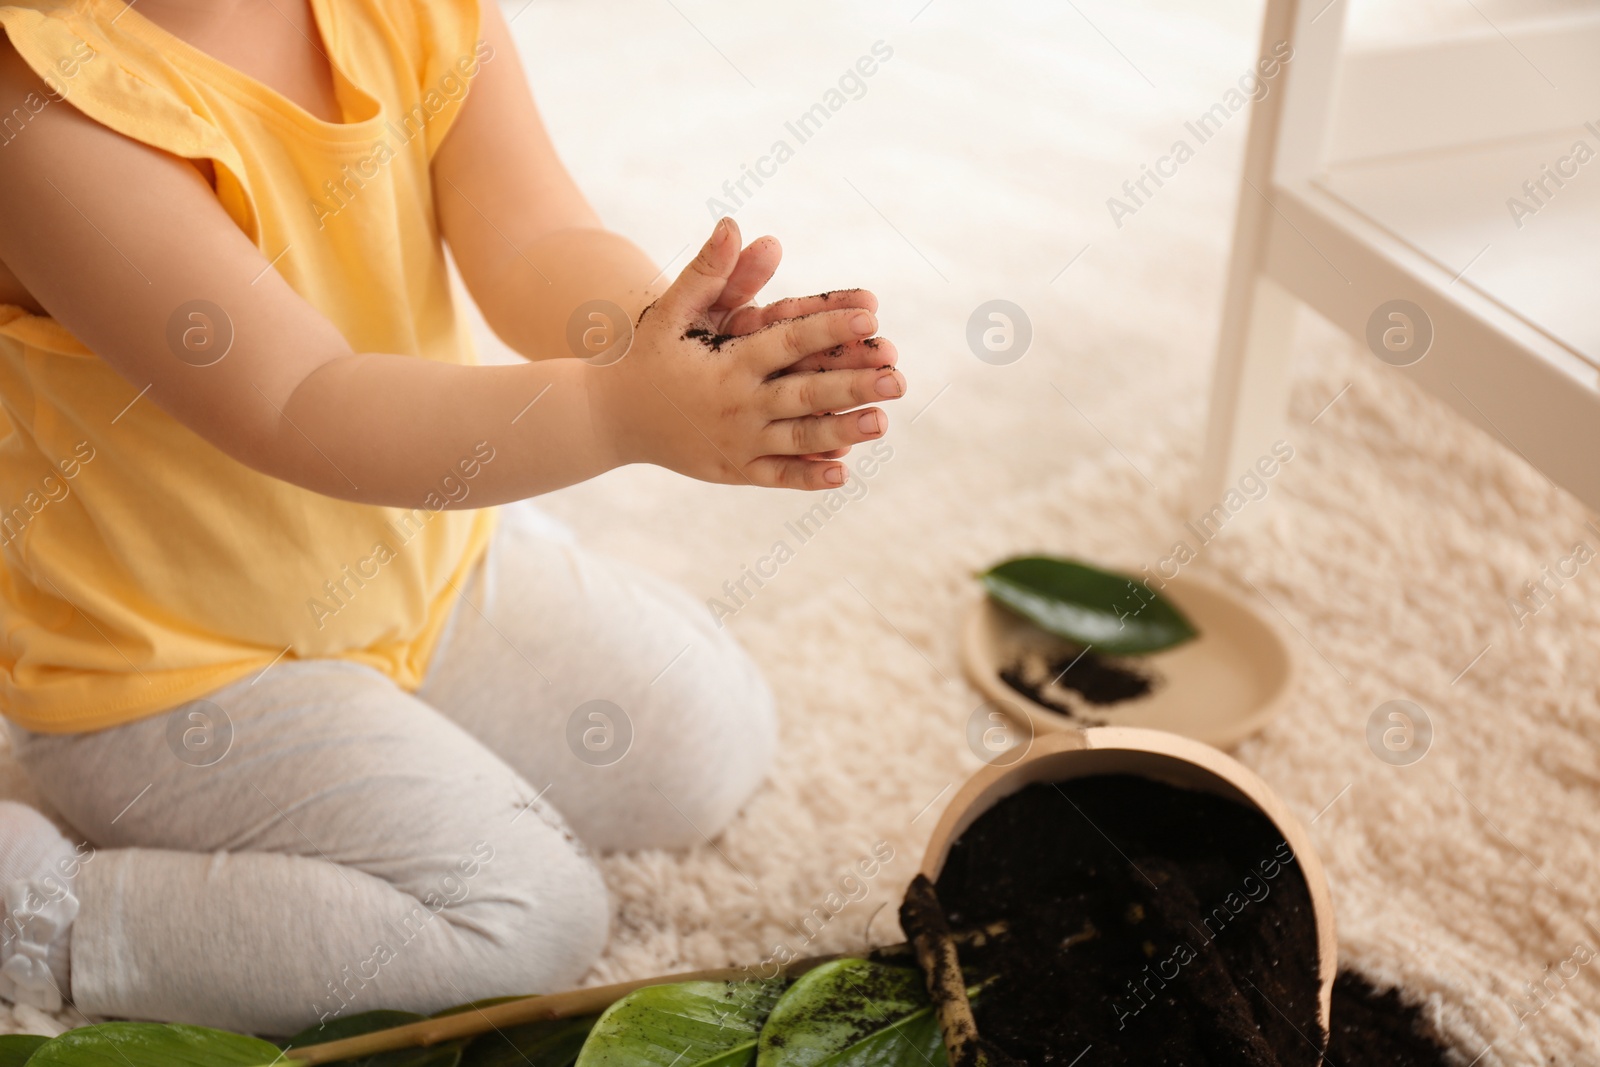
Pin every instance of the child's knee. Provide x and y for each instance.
(710, 746)
(543, 915)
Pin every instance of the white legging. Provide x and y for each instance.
(357, 847)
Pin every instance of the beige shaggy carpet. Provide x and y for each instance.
(976, 164)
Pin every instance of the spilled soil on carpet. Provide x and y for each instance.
(1373, 1029)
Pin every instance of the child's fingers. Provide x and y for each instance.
(784, 343)
(823, 433)
(749, 319)
(794, 395)
(832, 453)
(702, 282)
(855, 355)
(796, 472)
(793, 306)
(755, 268)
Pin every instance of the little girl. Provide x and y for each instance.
(337, 739)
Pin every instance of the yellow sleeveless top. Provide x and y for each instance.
(141, 566)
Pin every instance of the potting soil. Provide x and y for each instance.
(1144, 924)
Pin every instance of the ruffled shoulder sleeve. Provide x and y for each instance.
(443, 38)
(121, 82)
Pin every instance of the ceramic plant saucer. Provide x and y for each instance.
(1218, 688)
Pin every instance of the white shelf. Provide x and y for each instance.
(1383, 173)
(1451, 206)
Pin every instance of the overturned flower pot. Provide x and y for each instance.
(1158, 901)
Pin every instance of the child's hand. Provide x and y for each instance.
(735, 314)
(697, 396)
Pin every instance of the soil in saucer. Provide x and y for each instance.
(1066, 683)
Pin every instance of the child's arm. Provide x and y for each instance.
(527, 243)
(530, 248)
(112, 237)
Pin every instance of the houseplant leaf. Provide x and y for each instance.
(548, 1043)
(366, 1022)
(16, 1048)
(1087, 605)
(688, 1024)
(854, 1013)
(153, 1045)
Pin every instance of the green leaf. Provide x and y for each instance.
(366, 1022)
(153, 1045)
(1088, 606)
(548, 1043)
(16, 1048)
(689, 1024)
(853, 1013)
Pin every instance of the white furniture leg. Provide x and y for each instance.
(1249, 388)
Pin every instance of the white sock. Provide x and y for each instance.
(37, 869)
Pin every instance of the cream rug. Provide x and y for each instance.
(976, 164)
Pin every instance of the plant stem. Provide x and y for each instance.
(570, 1004)
(565, 1005)
(923, 920)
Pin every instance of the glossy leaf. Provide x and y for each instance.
(1110, 612)
(16, 1048)
(688, 1024)
(153, 1045)
(548, 1043)
(853, 1013)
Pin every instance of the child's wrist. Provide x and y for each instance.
(613, 422)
